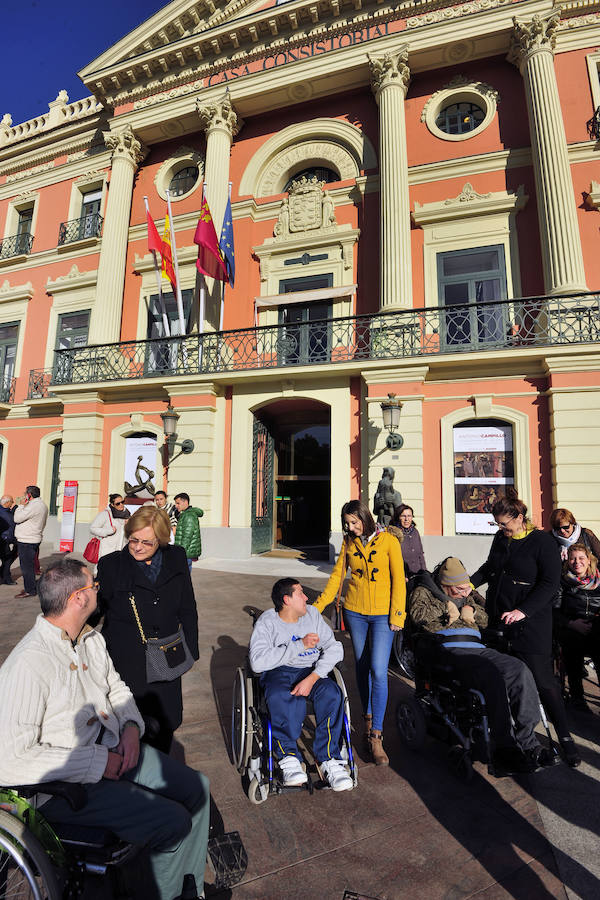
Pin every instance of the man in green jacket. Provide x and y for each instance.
(188, 529)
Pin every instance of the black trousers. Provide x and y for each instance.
(509, 690)
(8, 554)
(575, 648)
(548, 687)
(27, 560)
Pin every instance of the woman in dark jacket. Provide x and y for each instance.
(157, 576)
(567, 531)
(404, 528)
(578, 618)
(522, 572)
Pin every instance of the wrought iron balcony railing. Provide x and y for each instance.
(7, 389)
(89, 226)
(465, 328)
(16, 245)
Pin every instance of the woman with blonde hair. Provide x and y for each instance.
(578, 618)
(374, 608)
(155, 576)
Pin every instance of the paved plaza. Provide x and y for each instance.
(408, 831)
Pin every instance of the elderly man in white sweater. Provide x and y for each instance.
(30, 521)
(67, 715)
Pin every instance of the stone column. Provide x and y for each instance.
(532, 51)
(221, 123)
(127, 154)
(390, 77)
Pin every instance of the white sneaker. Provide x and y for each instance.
(335, 773)
(292, 771)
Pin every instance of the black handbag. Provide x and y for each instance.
(167, 658)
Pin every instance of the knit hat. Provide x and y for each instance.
(452, 572)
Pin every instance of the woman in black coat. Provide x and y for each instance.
(157, 576)
(522, 572)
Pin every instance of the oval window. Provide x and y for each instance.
(460, 118)
(183, 181)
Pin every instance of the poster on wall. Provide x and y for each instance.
(483, 467)
(69, 510)
(139, 480)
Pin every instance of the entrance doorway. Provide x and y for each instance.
(291, 496)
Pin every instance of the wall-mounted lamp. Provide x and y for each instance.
(390, 410)
(170, 419)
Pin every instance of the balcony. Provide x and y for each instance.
(16, 245)
(7, 389)
(436, 331)
(82, 229)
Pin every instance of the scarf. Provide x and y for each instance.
(151, 569)
(408, 530)
(365, 540)
(119, 513)
(565, 542)
(589, 582)
(523, 534)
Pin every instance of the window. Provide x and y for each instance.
(459, 118)
(162, 356)
(183, 181)
(72, 330)
(55, 478)
(90, 214)
(304, 337)
(318, 172)
(24, 230)
(470, 281)
(8, 351)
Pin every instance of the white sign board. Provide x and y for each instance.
(483, 466)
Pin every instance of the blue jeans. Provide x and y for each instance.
(372, 640)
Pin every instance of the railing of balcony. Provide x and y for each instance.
(464, 328)
(7, 389)
(16, 245)
(89, 226)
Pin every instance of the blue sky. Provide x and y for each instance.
(45, 43)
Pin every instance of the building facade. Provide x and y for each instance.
(415, 194)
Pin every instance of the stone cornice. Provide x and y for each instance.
(72, 281)
(16, 292)
(469, 203)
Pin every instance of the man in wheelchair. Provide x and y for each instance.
(293, 650)
(67, 716)
(446, 606)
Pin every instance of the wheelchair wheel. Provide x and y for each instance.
(257, 793)
(404, 656)
(26, 872)
(346, 743)
(411, 723)
(241, 720)
(460, 760)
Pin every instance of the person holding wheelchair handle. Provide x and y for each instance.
(522, 572)
(445, 606)
(374, 608)
(577, 620)
(293, 650)
(67, 715)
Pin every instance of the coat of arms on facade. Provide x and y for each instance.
(307, 208)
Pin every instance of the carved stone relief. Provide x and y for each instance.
(308, 208)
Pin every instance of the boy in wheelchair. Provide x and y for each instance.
(446, 606)
(293, 650)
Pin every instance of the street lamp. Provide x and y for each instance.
(390, 410)
(170, 418)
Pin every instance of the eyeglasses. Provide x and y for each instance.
(94, 586)
(503, 525)
(565, 527)
(136, 541)
(119, 503)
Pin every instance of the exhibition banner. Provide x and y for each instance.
(69, 510)
(483, 466)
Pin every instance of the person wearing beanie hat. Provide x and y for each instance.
(446, 605)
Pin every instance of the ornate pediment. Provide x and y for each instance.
(308, 208)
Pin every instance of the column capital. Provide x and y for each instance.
(529, 38)
(125, 145)
(390, 69)
(219, 115)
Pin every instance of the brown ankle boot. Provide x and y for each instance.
(380, 757)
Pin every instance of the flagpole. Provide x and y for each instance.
(224, 283)
(174, 251)
(161, 299)
(202, 297)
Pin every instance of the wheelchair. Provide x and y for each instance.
(445, 709)
(252, 741)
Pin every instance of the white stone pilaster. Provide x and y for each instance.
(390, 77)
(532, 51)
(127, 153)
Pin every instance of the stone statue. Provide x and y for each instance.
(386, 499)
(282, 227)
(328, 210)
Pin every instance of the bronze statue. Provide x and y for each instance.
(386, 499)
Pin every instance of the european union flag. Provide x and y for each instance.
(226, 243)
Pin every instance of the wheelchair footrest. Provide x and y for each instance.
(228, 857)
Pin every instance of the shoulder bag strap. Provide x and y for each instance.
(137, 618)
(342, 577)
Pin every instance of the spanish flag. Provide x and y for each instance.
(168, 273)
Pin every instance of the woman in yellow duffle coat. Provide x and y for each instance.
(374, 608)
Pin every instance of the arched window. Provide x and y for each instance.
(483, 467)
(318, 172)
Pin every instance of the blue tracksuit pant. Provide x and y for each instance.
(287, 712)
